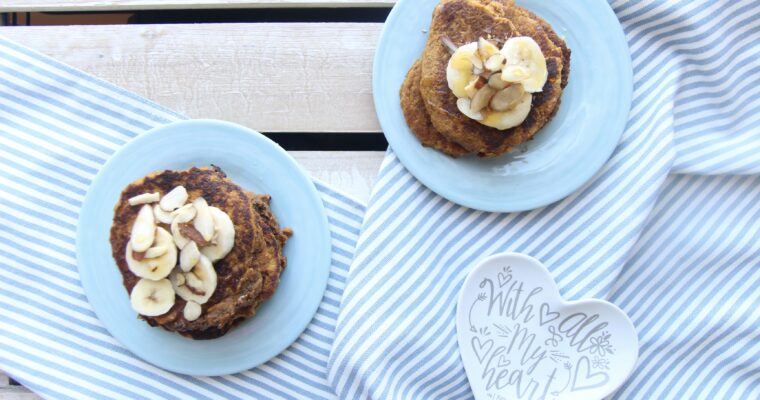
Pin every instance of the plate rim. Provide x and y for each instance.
(324, 252)
(418, 171)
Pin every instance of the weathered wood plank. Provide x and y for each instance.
(351, 172)
(14, 392)
(121, 5)
(17, 393)
(279, 77)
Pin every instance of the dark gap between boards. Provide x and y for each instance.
(251, 15)
(303, 141)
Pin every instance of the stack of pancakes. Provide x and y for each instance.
(246, 277)
(430, 106)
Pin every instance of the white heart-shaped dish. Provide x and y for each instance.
(519, 339)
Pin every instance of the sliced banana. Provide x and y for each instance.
(179, 240)
(156, 251)
(200, 282)
(204, 221)
(189, 256)
(175, 199)
(161, 215)
(184, 214)
(526, 63)
(463, 104)
(192, 311)
(154, 268)
(143, 230)
(512, 117)
(477, 63)
(459, 71)
(500, 98)
(152, 298)
(225, 236)
(486, 49)
(144, 198)
(514, 74)
(495, 62)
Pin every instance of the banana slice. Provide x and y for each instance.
(225, 236)
(495, 62)
(192, 311)
(459, 70)
(156, 251)
(204, 221)
(143, 230)
(175, 199)
(464, 105)
(525, 63)
(199, 283)
(512, 117)
(486, 49)
(152, 298)
(154, 268)
(189, 256)
(161, 215)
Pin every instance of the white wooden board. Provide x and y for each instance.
(352, 172)
(8, 392)
(121, 5)
(279, 77)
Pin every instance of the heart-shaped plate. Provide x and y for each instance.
(519, 339)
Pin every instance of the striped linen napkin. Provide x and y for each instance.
(669, 230)
(57, 127)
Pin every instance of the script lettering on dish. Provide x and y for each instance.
(525, 349)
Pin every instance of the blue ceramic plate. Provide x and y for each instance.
(256, 164)
(563, 156)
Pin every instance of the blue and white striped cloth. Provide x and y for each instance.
(57, 127)
(669, 230)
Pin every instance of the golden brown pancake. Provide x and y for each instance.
(246, 277)
(464, 21)
(559, 42)
(418, 119)
(275, 240)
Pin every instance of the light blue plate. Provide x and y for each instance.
(564, 155)
(256, 164)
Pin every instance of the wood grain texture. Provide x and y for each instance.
(351, 172)
(18, 393)
(8, 392)
(279, 77)
(121, 5)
